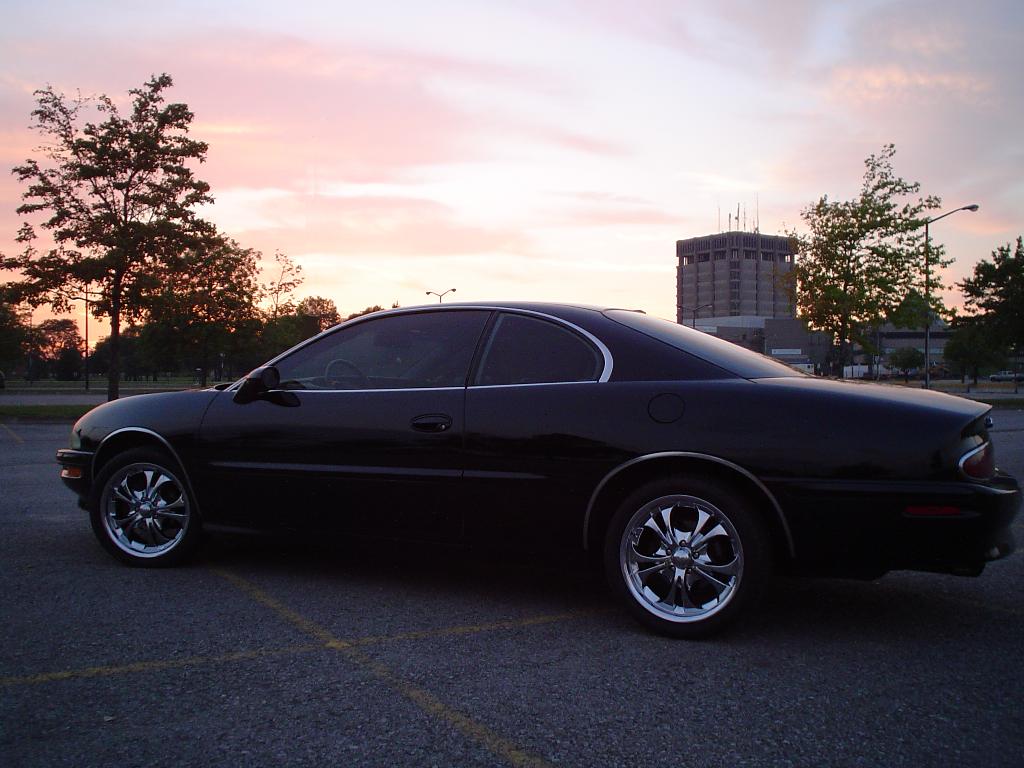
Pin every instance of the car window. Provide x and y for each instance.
(724, 354)
(528, 350)
(424, 349)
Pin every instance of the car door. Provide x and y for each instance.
(368, 437)
(533, 446)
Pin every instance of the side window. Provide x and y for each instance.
(527, 350)
(427, 349)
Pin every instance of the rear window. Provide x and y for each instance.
(527, 350)
(724, 354)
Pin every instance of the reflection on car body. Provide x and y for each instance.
(690, 466)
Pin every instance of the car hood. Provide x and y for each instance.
(165, 413)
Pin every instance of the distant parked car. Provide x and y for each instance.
(688, 464)
(1006, 376)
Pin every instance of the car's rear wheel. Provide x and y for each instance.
(685, 554)
(141, 510)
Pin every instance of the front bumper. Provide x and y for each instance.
(76, 470)
(865, 528)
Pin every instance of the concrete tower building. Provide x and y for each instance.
(733, 277)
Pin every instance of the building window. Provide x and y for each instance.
(767, 257)
(703, 257)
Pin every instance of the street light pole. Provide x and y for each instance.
(928, 292)
(86, 363)
(440, 296)
(694, 312)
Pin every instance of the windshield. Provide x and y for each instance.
(724, 354)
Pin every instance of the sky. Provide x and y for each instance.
(548, 150)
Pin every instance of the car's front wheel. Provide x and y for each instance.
(685, 554)
(141, 510)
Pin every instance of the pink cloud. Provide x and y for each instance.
(364, 226)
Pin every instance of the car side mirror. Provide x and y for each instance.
(257, 383)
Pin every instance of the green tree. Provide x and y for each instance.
(905, 359)
(208, 294)
(58, 341)
(860, 259)
(996, 290)
(13, 333)
(973, 346)
(322, 310)
(287, 277)
(118, 197)
(368, 310)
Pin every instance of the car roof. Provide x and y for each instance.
(551, 307)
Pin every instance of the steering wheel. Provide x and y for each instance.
(348, 370)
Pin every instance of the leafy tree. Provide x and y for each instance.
(861, 258)
(323, 310)
(13, 333)
(972, 347)
(368, 310)
(118, 197)
(68, 364)
(208, 295)
(996, 289)
(56, 335)
(906, 359)
(278, 291)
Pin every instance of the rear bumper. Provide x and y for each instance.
(866, 528)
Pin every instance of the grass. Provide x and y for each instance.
(43, 412)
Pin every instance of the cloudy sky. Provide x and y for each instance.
(543, 150)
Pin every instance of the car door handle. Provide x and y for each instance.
(432, 422)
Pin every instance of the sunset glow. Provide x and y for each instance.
(550, 151)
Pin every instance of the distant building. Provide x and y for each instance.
(733, 275)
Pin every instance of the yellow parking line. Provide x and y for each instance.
(17, 438)
(151, 666)
(432, 705)
(423, 699)
(472, 629)
(286, 613)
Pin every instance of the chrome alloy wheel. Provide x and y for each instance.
(145, 510)
(681, 558)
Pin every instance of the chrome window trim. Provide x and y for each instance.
(691, 455)
(968, 455)
(606, 371)
(389, 389)
(533, 384)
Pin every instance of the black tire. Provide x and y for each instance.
(141, 510)
(686, 592)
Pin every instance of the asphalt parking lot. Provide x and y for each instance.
(270, 652)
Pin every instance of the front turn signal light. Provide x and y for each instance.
(71, 473)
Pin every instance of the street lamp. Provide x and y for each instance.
(695, 310)
(928, 292)
(440, 295)
(86, 300)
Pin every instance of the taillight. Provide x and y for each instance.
(979, 463)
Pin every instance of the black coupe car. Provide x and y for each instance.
(691, 466)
